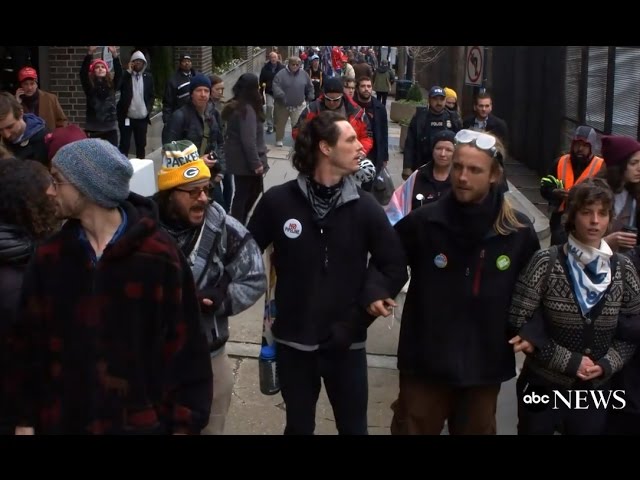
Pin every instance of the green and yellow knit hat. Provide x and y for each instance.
(181, 164)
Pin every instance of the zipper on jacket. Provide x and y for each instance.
(478, 274)
(326, 251)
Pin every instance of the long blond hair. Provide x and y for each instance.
(507, 221)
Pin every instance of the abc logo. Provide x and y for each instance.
(535, 398)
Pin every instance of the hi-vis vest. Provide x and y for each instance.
(565, 172)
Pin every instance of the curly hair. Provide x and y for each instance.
(586, 193)
(23, 198)
(322, 127)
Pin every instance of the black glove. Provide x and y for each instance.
(217, 294)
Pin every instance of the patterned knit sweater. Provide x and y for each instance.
(568, 335)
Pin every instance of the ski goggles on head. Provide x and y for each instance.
(480, 140)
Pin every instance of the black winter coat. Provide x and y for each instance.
(454, 327)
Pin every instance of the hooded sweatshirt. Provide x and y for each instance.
(138, 109)
(31, 144)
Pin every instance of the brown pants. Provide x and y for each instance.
(422, 409)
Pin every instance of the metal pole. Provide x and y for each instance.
(609, 92)
(485, 70)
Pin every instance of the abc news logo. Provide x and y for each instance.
(538, 399)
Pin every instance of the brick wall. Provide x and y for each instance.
(201, 57)
(64, 80)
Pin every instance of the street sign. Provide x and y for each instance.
(474, 68)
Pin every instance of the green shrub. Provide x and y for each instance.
(415, 93)
(162, 67)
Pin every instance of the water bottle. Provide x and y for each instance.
(269, 383)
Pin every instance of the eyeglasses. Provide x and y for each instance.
(195, 193)
(337, 99)
(480, 140)
(55, 183)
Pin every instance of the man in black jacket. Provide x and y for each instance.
(425, 124)
(135, 105)
(199, 122)
(465, 252)
(377, 115)
(323, 228)
(176, 93)
(484, 120)
(267, 73)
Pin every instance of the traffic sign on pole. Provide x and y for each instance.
(474, 68)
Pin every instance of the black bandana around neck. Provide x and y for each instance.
(323, 198)
(185, 235)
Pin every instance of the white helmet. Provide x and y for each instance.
(367, 171)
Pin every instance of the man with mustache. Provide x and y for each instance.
(225, 260)
(570, 169)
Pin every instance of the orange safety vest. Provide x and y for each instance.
(565, 172)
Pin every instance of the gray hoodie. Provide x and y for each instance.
(138, 109)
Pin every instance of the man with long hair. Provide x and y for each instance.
(323, 229)
(465, 252)
(226, 262)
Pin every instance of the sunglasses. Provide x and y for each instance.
(337, 99)
(196, 192)
(480, 140)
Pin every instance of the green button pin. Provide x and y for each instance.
(503, 262)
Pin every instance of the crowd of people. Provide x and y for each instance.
(115, 307)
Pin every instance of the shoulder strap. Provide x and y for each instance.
(553, 255)
(206, 250)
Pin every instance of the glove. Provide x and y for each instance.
(552, 181)
(406, 173)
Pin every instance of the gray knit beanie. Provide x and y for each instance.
(97, 169)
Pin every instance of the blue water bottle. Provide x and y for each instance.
(269, 383)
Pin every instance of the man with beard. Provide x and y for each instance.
(422, 129)
(226, 262)
(135, 105)
(377, 115)
(465, 252)
(570, 169)
(109, 338)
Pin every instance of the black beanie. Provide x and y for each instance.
(333, 85)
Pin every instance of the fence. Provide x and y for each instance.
(602, 90)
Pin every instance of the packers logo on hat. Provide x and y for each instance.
(191, 172)
(181, 164)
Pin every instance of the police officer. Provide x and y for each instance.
(423, 127)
